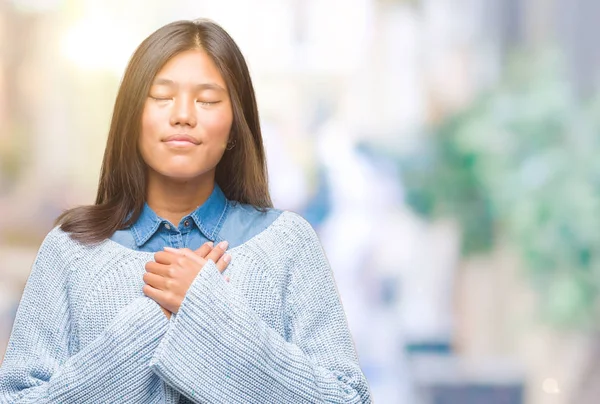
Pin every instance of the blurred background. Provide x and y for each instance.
(445, 151)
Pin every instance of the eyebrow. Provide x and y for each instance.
(202, 86)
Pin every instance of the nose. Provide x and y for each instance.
(184, 112)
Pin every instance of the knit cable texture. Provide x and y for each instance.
(84, 331)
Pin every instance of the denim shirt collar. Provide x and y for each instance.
(208, 217)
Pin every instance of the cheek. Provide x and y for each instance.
(150, 122)
(217, 126)
(150, 128)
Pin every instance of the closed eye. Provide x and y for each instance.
(160, 98)
(207, 103)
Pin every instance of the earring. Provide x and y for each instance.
(230, 145)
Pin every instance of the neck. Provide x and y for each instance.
(174, 199)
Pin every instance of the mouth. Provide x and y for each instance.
(181, 140)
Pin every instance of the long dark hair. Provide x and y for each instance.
(241, 173)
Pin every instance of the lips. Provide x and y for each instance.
(181, 139)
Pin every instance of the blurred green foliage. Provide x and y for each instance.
(523, 163)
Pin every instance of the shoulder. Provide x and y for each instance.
(296, 243)
(266, 217)
(52, 259)
(246, 213)
(295, 224)
(243, 222)
(59, 245)
(295, 229)
(56, 242)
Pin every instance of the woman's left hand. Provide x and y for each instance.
(172, 272)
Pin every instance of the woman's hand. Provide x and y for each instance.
(172, 272)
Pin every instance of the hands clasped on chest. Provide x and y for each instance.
(170, 275)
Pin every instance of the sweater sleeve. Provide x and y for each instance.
(219, 350)
(37, 367)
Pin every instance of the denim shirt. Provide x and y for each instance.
(215, 220)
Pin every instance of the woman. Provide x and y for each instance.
(182, 283)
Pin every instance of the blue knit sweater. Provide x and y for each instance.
(276, 333)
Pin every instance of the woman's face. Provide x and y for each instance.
(187, 118)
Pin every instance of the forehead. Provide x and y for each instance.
(191, 67)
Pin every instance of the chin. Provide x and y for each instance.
(182, 173)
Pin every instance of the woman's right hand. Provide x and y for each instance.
(203, 253)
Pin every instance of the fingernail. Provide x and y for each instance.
(170, 249)
(223, 245)
(227, 258)
(209, 243)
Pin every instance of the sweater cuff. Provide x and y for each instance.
(208, 289)
(139, 318)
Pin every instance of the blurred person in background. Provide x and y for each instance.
(182, 283)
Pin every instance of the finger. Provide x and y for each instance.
(218, 251)
(204, 249)
(167, 312)
(156, 268)
(178, 251)
(165, 257)
(157, 295)
(187, 253)
(223, 262)
(157, 281)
